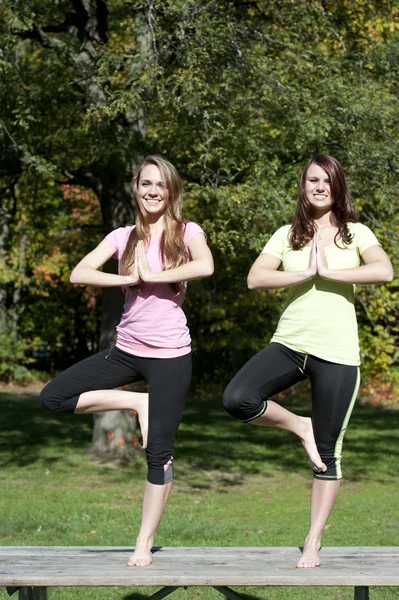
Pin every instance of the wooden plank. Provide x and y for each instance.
(245, 552)
(227, 566)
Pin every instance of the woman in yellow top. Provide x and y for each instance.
(323, 254)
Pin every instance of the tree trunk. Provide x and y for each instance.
(114, 436)
(5, 219)
(18, 285)
(114, 433)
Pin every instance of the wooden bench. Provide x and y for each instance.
(32, 569)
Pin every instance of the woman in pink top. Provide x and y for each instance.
(156, 257)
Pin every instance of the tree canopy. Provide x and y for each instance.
(238, 94)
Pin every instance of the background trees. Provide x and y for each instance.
(238, 94)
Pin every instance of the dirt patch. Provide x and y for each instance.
(30, 388)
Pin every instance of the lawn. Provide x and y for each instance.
(235, 485)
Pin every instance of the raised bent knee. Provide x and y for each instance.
(232, 402)
(47, 399)
(55, 402)
(242, 404)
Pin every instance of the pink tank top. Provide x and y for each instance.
(153, 323)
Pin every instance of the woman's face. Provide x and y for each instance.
(152, 193)
(317, 188)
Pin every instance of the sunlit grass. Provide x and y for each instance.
(235, 485)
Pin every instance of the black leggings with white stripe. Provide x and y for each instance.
(276, 368)
(168, 379)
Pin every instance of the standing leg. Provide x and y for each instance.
(154, 503)
(334, 391)
(272, 370)
(169, 380)
(87, 387)
(322, 500)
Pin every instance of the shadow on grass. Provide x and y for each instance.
(27, 428)
(209, 441)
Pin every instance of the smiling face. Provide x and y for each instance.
(318, 189)
(151, 191)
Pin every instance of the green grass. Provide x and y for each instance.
(235, 485)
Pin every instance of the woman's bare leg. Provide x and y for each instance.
(278, 416)
(154, 502)
(324, 494)
(104, 400)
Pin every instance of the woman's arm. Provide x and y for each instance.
(200, 265)
(264, 273)
(377, 267)
(86, 272)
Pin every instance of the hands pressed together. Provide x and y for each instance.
(141, 270)
(317, 260)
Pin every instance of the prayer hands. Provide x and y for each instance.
(141, 270)
(321, 261)
(135, 273)
(144, 269)
(312, 268)
(134, 277)
(317, 260)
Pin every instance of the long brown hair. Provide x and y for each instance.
(172, 249)
(343, 210)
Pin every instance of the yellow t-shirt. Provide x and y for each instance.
(319, 316)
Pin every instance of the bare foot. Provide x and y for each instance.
(310, 557)
(309, 444)
(142, 557)
(142, 412)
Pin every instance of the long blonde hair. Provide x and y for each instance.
(172, 249)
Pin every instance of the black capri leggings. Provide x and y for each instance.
(168, 379)
(276, 368)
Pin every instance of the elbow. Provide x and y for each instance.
(207, 269)
(385, 273)
(251, 282)
(253, 279)
(206, 273)
(74, 278)
(388, 276)
(210, 270)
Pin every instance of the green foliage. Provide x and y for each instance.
(238, 95)
(46, 238)
(13, 357)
